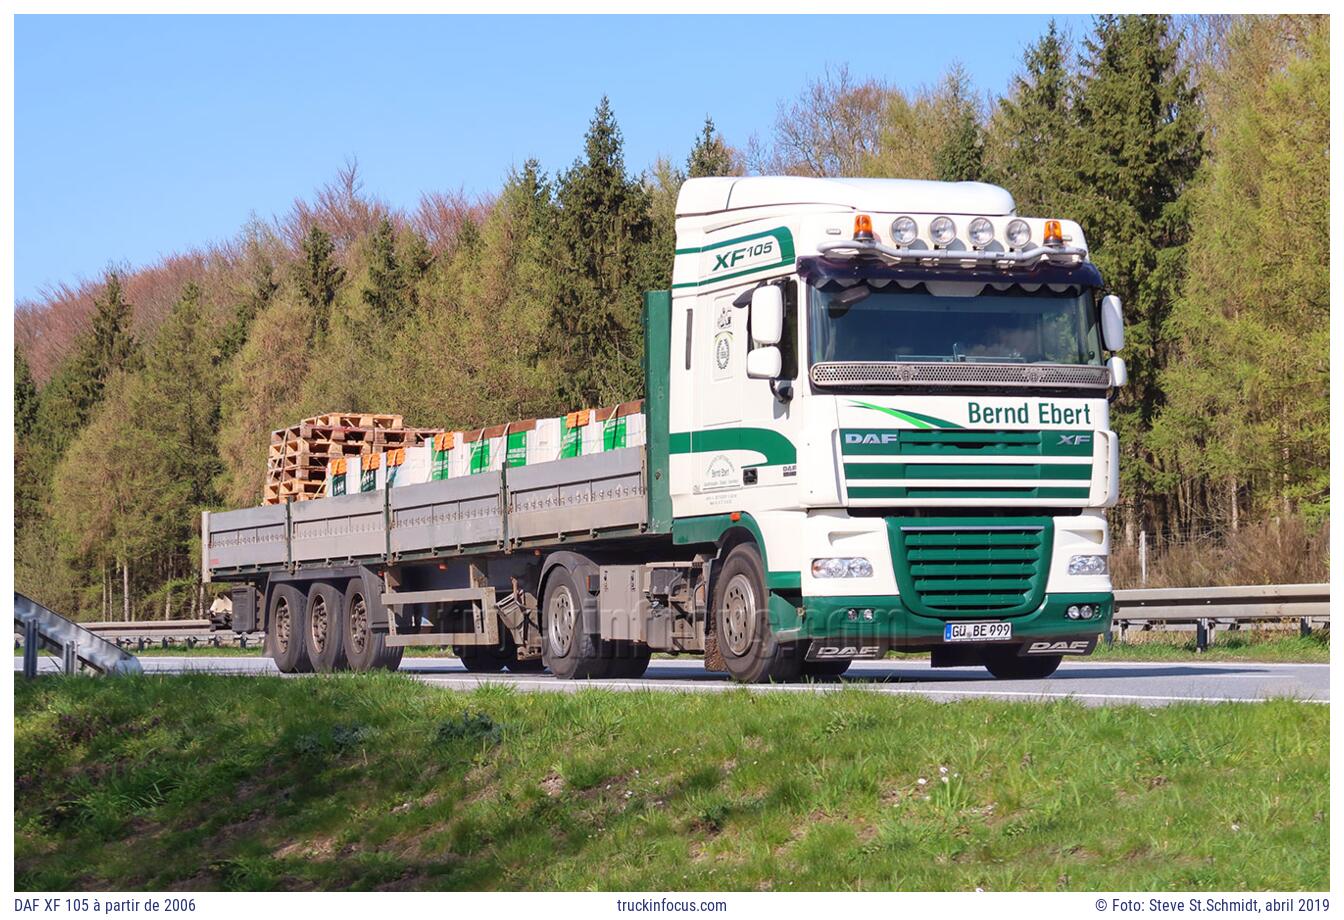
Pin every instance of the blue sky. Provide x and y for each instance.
(136, 136)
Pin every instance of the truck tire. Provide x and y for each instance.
(485, 659)
(1006, 664)
(750, 651)
(832, 668)
(629, 660)
(325, 632)
(364, 642)
(285, 629)
(567, 649)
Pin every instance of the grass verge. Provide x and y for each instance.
(377, 781)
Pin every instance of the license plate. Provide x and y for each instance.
(977, 632)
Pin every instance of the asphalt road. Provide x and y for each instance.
(1091, 683)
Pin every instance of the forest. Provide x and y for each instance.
(1194, 151)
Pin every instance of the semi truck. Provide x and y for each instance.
(876, 418)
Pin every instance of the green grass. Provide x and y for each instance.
(377, 781)
(1227, 646)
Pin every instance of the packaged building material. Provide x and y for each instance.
(485, 448)
(369, 464)
(336, 476)
(441, 453)
(413, 465)
(624, 427)
(531, 441)
(572, 427)
(298, 464)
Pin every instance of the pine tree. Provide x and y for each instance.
(603, 232)
(710, 156)
(1032, 130)
(384, 293)
(1139, 143)
(319, 278)
(960, 158)
(262, 288)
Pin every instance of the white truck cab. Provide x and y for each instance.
(922, 445)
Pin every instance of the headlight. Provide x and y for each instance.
(904, 230)
(842, 567)
(942, 229)
(981, 231)
(1087, 565)
(1019, 233)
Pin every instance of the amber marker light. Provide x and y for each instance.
(1054, 235)
(863, 227)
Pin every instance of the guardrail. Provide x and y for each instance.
(143, 633)
(1205, 610)
(77, 646)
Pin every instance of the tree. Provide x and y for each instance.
(1138, 144)
(603, 231)
(710, 156)
(1245, 427)
(384, 294)
(25, 397)
(832, 131)
(261, 288)
(319, 278)
(960, 157)
(1033, 128)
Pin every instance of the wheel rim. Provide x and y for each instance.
(739, 614)
(560, 619)
(359, 626)
(318, 624)
(282, 624)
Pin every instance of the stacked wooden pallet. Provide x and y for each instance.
(296, 466)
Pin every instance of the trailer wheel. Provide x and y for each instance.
(285, 629)
(325, 634)
(1006, 664)
(484, 659)
(833, 668)
(750, 651)
(365, 648)
(629, 660)
(569, 651)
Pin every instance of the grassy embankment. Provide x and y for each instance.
(369, 781)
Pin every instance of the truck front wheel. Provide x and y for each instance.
(742, 622)
(285, 629)
(568, 650)
(1006, 664)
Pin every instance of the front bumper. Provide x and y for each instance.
(895, 625)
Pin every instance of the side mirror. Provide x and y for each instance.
(764, 363)
(767, 315)
(1119, 373)
(1112, 323)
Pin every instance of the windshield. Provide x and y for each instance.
(953, 321)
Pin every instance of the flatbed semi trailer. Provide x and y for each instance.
(877, 417)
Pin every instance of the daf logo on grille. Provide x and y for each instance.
(1075, 439)
(871, 438)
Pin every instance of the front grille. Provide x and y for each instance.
(888, 465)
(957, 373)
(956, 569)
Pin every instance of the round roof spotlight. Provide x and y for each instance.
(1019, 233)
(981, 231)
(942, 230)
(904, 230)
